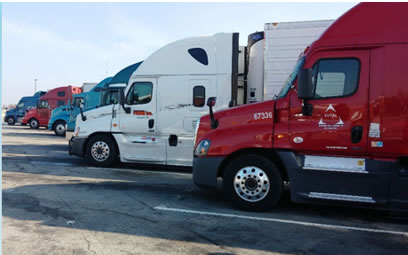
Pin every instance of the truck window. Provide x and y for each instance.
(20, 105)
(336, 77)
(291, 78)
(77, 101)
(60, 102)
(199, 96)
(199, 54)
(42, 104)
(61, 93)
(140, 93)
(111, 97)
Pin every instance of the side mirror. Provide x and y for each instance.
(305, 87)
(306, 90)
(122, 101)
(211, 103)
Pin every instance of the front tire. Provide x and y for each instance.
(11, 121)
(252, 182)
(101, 151)
(59, 128)
(34, 123)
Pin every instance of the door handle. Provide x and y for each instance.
(356, 134)
(151, 123)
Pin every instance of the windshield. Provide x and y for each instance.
(291, 78)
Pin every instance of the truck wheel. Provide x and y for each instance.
(59, 128)
(101, 151)
(11, 121)
(34, 123)
(252, 182)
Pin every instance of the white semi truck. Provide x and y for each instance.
(166, 96)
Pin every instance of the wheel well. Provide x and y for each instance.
(55, 122)
(32, 119)
(100, 133)
(267, 153)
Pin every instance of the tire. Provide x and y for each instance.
(11, 121)
(252, 182)
(101, 151)
(34, 123)
(59, 128)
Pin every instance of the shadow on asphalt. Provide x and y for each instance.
(128, 208)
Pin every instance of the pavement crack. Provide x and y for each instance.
(88, 244)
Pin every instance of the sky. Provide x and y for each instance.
(63, 44)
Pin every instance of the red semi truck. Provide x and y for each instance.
(39, 116)
(337, 132)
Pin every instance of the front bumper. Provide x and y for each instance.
(76, 146)
(68, 134)
(205, 171)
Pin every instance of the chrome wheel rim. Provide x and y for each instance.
(60, 128)
(251, 184)
(100, 151)
(10, 121)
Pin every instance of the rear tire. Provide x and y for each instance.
(101, 151)
(252, 182)
(11, 121)
(34, 123)
(59, 128)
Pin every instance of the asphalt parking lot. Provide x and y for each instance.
(57, 204)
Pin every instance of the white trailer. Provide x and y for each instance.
(272, 55)
(164, 99)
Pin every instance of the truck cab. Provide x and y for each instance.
(337, 132)
(156, 115)
(26, 103)
(40, 115)
(62, 115)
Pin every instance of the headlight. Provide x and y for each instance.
(196, 130)
(202, 148)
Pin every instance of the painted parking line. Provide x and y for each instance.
(51, 163)
(302, 223)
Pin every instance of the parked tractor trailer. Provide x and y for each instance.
(155, 119)
(337, 131)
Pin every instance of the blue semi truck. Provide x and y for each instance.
(15, 115)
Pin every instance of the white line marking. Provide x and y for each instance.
(50, 163)
(302, 223)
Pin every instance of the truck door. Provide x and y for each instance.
(333, 138)
(139, 140)
(43, 110)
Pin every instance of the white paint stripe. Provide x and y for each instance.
(302, 223)
(51, 163)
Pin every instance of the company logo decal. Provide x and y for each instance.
(142, 113)
(330, 119)
(298, 139)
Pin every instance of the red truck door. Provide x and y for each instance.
(333, 139)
